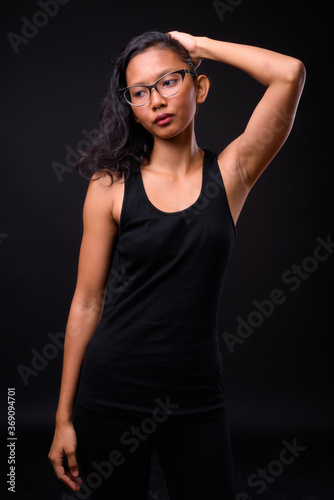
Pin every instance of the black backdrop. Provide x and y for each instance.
(278, 377)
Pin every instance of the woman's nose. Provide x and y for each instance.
(157, 100)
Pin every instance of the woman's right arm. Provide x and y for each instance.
(99, 233)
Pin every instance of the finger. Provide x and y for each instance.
(71, 482)
(72, 463)
(75, 481)
(172, 33)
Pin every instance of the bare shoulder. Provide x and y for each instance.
(106, 194)
(100, 231)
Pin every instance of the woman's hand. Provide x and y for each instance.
(65, 444)
(190, 43)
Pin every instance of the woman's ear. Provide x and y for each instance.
(203, 85)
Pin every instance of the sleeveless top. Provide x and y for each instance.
(157, 338)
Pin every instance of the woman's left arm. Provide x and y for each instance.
(273, 117)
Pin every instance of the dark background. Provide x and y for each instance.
(279, 381)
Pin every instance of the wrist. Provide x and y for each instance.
(201, 43)
(63, 419)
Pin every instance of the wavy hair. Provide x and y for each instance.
(122, 145)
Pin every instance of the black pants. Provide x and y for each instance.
(114, 455)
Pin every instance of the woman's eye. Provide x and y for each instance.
(138, 94)
(170, 82)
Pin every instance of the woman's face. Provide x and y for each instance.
(146, 68)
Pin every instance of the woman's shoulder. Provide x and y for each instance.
(108, 189)
(107, 178)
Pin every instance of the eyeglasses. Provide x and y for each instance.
(167, 85)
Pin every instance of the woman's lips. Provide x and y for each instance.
(163, 119)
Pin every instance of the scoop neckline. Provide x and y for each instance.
(184, 209)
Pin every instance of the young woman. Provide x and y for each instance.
(142, 369)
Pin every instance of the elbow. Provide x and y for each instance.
(296, 73)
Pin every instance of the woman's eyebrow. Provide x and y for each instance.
(162, 73)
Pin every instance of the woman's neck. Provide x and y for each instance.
(177, 155)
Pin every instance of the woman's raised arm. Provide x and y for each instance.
(272, 119)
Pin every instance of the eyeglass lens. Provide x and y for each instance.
(167, 86)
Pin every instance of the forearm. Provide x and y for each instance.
(81, 326)
(264, 65)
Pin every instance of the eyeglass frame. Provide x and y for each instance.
(182, 72)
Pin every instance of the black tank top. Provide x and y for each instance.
(157, 337)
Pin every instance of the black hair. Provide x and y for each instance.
(123, 145)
